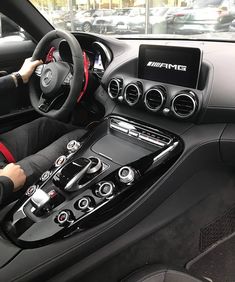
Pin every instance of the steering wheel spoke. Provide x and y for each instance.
(68, 79)
(45, 104)
(39, 69)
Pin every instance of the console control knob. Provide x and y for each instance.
(64, 217)
(73, 146)
(126, 174)
(84, 204)
(96, 165)
(105, 189)
(45, 175)
(60, 161)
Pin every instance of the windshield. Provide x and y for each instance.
(211, 19)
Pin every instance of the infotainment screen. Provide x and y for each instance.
(170, 64)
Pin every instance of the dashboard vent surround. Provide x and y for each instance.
(132, 94)
(154, 98)
(184, 104)
(114, 87)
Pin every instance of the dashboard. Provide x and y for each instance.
(206, 95)
(158, 131)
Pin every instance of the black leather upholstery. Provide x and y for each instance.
(154, 273)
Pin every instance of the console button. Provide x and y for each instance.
(52, 194)
(73, 146)
(105, 189)
(65, 217)
(151, 140)
(119, 128)
(126, 174)
(83, 204)
(60, 161)
(45, 175)
(31, 190)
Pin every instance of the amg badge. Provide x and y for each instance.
(167, 66)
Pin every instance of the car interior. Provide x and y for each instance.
(148, 193)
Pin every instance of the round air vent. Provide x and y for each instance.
(154, 98)
(184, 104)
(114, 87)
(132, 94)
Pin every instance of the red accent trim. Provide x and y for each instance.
(86, 76)
(49, 57)
(6, 153)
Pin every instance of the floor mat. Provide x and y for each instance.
(217, 263)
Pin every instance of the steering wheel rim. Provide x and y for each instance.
(76, 82)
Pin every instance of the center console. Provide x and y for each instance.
(97, 178)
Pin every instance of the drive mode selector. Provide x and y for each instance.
(73, 146)
(60, 161)
(96, 165)
(126, 174)
(64, 217)
(105, 189)
(84, 204)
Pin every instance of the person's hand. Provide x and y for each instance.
(28, 68)
(15, 173)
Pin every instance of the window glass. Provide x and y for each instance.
(158, 18)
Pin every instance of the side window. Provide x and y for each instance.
(10, 31)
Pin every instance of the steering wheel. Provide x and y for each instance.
(60, 81)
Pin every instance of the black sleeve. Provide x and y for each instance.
(7, 82)
(6, 188)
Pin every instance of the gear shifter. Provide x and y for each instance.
(72, 173)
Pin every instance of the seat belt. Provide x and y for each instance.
(5, 154)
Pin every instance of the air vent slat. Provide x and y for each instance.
(114, 87)
(154, 98)
(132, 94)
(184, 105)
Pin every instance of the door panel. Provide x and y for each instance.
(15, 106)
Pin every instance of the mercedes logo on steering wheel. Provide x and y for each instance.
(47, 78)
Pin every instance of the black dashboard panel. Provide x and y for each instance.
(214, 92)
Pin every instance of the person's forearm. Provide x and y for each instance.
(7, 82)
(6, 189)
